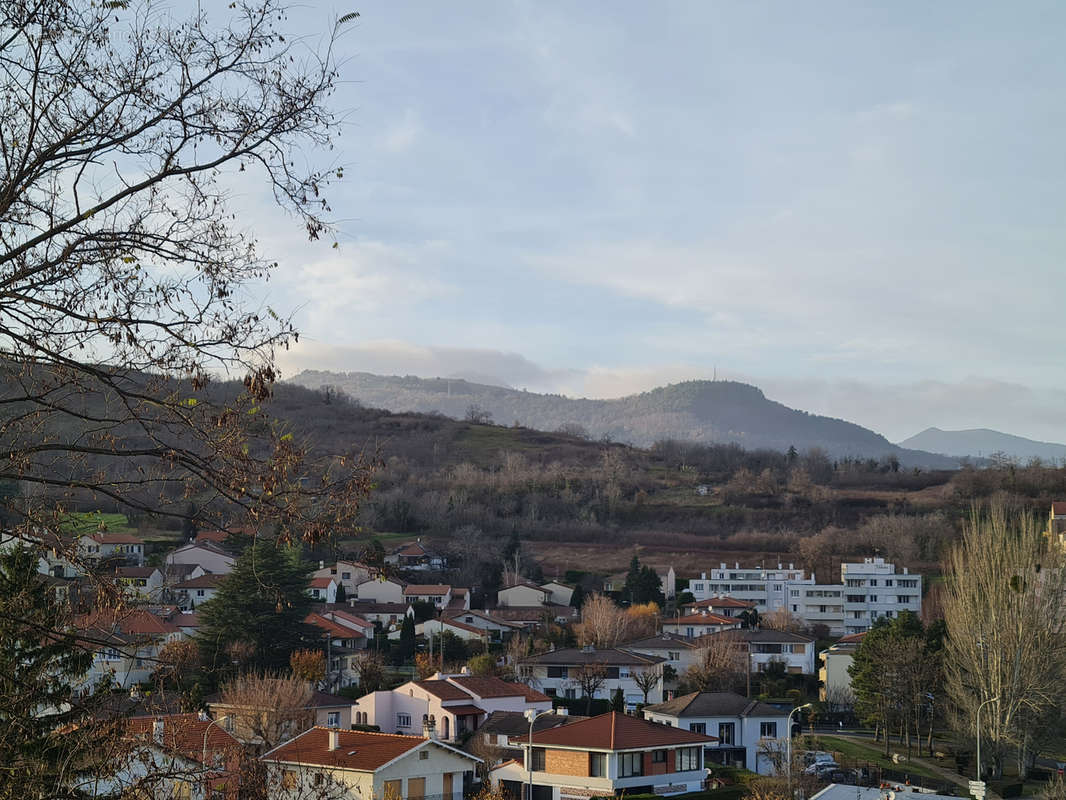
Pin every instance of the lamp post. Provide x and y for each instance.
(788, 745)
(982, 705)
(532, 715)
(203, 757)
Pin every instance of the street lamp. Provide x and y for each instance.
(203, 758)
(532, 716)
(985, 703)
(788, 745)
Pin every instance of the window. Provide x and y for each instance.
(725, 732)
(556, 672)
(333, 719)
(873, 581)
(902, 599)
(658, 756)
(551, 692)
(688, 758)
(856, 598)
(623, 672)
(795, 592)
(673, 655)
(403, 720)
(698, 727)
(689, 632)
(612, 672)
(597, 765)
(345, 576)
(630, 764)
(888, 582)
(873, 598)
(199, 592)
(229, 723)
(768, 730)
(538, 759)
(423, 756)
(393, 789)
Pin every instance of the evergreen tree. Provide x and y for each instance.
(577, 599)
(342, 596)
(257, 615)
(40, 664)
(618, 701)
(407, 638)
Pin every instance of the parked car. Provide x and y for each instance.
(812, 757)
(821, 768)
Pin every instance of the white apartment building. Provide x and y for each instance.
(867, 590)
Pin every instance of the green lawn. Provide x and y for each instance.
(92, 521)
(854, 750)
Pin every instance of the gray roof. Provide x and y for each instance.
(664, 641)
(760, 635)
(608, 656)
(514, 723)
(715, 704)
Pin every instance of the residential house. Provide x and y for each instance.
(535, 616)
(1056, 524)
(722, 605)
(833, 677)
(414, 555)
(701, 624)
(502, 726)
(497, 628)
(558, 673)
(55, 553)
(361, 764)
(175, 756)
(749, 733)
(438, 595)
(609, 755)
(342, 642)
(348, 574)
(122, 546)
(194, 592)
(453, 704)
(679, 653)
(206, 554)
(434, 627)
(326, 710)
(522, 593)
(766, 646)
(560, 593)
(125, 644)
(380, 590)
(323, 590)
(144, 583)
(386, 615)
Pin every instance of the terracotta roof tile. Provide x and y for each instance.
(614, 731)
(116, 538)
(358, 750)
(702, 619)
(334, 629)
(184, 733)
(427, 588)
(443, 689)
(490, 686)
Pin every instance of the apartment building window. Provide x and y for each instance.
(873, 598)
(658, 756)
(698, 727)
(556, 672)
(903, 599)
(777, 587)
(794, 592)
(623, 672)
(674, 655)
(688, 758)
(856, 598)
(873, 581)
(768, 730)
(725, 732)
(538, 759)
(612, 672)
(403, 720)
(888, 582)
(630, 764)
(597, 765)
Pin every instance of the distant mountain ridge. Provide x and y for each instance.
(697, 411)
(982, 443)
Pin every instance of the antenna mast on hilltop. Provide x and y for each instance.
(715, 378)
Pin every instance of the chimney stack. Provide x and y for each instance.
(429, 728)
(334, 739)
(157, 730)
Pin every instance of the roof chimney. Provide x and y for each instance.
(157, 730)
(321, 564)
(429, 727)
(334, 739)
(464, 670)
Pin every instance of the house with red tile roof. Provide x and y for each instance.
(723, 605)
(605, 756)
(194, 592)
(699, 624)
(415, 555)
(125, 546)
(140, 582)
(557, 672)
(449, 704)
(125, 644)
(323, 589)
(348, 574)
(366, 764)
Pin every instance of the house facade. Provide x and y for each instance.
(361, 764)
(123, 546)
(559, 673)
(834, 678)
(524, 594)
(765, 647)
(699, 624)
(748, 733)
(206, 554)
(606, 755)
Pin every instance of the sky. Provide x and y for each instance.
(856, 206)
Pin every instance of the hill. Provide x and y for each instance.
(706, 412)
(982, 443)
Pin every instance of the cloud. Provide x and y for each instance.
(402, 136)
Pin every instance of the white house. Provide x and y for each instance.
(380, 590)
(140, 582)
(452, 704)
(323, 590)
(558, 673)
(348, 574)
(99, 546)
(524, 593)
(833, 675)
(194, 592)
(497, 628)
(747, 731)
(207, 554)
(560, 593)
(766, 646)
(386, 614)
(414, 555)
(125, 644)
(609, 755)
(468, 633)
(678, 652)
(695, 625)
(439, 595)
(361, 764)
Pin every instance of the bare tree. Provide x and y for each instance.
(646, 680)
(1005, 608)
(369, 669)
(603, 624)
(590, 678)
(267, 709)
(722, 663)
(781, 619)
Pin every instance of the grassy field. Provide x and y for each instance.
(92, 521)
(852, 750)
